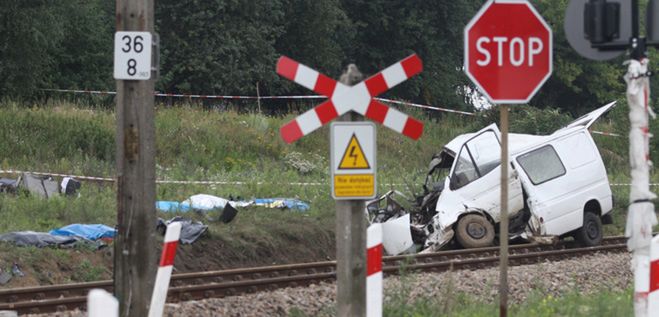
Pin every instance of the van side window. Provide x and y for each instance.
(477, 157)
(542, 165)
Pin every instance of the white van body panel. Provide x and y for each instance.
(396, 237)
(560, 202)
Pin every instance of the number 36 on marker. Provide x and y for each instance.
(132, 55)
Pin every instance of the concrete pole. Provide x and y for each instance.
(503, 225)
(350, 239)
(134, 251)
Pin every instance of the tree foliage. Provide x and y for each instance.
(577, 84)
(230, 46)
(50, 43)
(218, 46)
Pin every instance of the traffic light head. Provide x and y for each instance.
(601, 21)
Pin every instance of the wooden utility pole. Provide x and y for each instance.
(350, 239)
(134, 252)
(503, 224)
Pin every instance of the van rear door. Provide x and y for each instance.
(588, 119)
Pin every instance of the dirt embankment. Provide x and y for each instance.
(48, 266)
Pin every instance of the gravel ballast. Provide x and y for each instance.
(587, 274)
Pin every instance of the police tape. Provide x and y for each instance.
(405, 103)
(181, 182)
(206, 182)
(197, 96)
(605, 133)
(189, 96)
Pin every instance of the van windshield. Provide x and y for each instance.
(477, 157)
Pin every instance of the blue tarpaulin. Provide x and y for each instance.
(203, 202)
(289, 203)
(172, 206)
(90, 232)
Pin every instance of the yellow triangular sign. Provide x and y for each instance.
(353, 157)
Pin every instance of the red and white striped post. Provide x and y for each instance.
(100, 303)
(374, 270)
(165, 269)
(653, 294)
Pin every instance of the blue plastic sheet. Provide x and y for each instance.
(89, 232)
(204, 202)
(290, 203)
(172, 206)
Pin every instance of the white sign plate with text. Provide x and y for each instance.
(132, 55)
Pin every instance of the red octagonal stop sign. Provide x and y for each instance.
(508, 51)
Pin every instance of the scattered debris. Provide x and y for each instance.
(5, 277)
(17, 270)
(228, 213)
(37, 239)
(43, 186)
(70, 186)
(91, 232)
(190, 230)
(205, 203)
(282, 203)
(8, 185)
(171, 206)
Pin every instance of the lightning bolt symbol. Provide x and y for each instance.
(352, 154)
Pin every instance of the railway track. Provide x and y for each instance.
(192, 286)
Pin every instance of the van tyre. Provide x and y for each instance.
(590, 234)
(474, 231)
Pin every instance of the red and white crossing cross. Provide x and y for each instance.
(358, 98)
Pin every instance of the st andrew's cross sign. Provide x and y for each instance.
(358, 98)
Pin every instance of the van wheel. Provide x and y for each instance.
(591, 233)
(474, 231)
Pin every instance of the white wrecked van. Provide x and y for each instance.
(558, 187)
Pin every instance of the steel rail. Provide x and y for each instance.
(191, 286)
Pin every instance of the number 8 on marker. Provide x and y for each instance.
(132, 55)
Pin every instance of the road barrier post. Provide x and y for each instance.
(165, 268)
(374, 279)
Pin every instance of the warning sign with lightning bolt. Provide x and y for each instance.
(354, 157)
(353, 160)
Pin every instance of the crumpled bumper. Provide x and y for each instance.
(438, 239)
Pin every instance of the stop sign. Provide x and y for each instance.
(508, 51)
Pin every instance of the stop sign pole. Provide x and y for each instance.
(508, 56)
